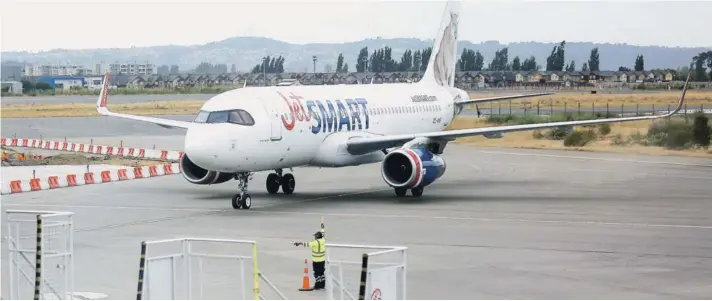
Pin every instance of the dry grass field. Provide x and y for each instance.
(171, 107)
(167, 107)
(526, 140)
(692, 98)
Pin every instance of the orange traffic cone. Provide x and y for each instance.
(305, 280)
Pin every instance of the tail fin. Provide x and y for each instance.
(443, 59)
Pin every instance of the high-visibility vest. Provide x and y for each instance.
(318, 249)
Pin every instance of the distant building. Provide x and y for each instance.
(93, 82)
(133, 69)
(11, 72)
(13, 87)
(63, 82)
(56, 70)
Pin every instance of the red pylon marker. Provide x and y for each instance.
(305, 280)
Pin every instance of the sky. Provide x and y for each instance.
(33, 25)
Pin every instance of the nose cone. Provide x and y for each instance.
(202, 145)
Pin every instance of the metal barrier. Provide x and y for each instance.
(169, 275)
(41, 254)
(379, 274)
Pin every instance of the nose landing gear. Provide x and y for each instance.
(242, 200)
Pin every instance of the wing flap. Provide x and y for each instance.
(363, 145)
(103, 110)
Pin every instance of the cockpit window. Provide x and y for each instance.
(240, 117)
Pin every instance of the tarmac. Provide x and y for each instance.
(500, 224)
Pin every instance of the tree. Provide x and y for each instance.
(340, 63)
(345, 68)
(623, 69)
(593, 61)
(555, 61)
(425, 58)
(516, 65)
(530, 64)
(700, 70)
(499, 62)
(362, 60)
(584, 67)
(269, 65)
(406, 62)
(417, 61)
(639, 63)
(571, 66)
(470, 60)
(327, 68)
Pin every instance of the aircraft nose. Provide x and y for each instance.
(201, 146)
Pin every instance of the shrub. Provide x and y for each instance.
(556, 133)
(618, 140)
(604, 129)
(537, 134)
(672, 135)
(579, 138)
(701, 130)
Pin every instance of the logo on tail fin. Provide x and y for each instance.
(442, 64)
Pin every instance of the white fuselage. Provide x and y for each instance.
(309, 125)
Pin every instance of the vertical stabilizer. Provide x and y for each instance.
(443, 60)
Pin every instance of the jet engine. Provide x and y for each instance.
(411, 167)
(198, 175)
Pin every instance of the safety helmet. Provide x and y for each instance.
(318, 235)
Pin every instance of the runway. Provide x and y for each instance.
(500, 224)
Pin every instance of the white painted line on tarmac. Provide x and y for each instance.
(482, 219)
(591, 158)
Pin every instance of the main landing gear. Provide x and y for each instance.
(416, 191)
(276, 180)
(242, 200)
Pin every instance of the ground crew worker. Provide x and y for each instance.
(318, 246)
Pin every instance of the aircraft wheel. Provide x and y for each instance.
(417, 191)
(246, 201)
(236, 202)
(273, 183)
(288, 183)
(400, 191)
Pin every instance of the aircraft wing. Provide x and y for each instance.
(103, 110)
(364, 145)
(498, 98)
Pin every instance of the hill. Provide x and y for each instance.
(246, 52)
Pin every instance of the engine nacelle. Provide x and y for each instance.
(200, 176)
(412, 167)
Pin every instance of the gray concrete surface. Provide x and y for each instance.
(500, 224)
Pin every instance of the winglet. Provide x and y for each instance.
(682, 96)
(103, 96)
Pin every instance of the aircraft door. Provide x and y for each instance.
(275, 122)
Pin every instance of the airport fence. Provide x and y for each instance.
(582, 108)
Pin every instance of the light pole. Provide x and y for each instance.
(314, 61)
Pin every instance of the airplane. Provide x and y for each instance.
(401, 126)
